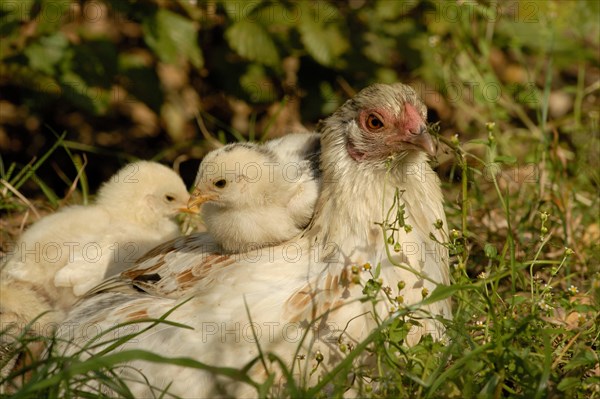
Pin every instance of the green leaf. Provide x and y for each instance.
(15, 10)
(96, 62)
(444, 291)
(48, 192)
(377, 271)
(324, 43)
(94, 100)
(172, 37)
(329, 99)
(490, 250)
(517, 300)
(46, 53)
(506, 159)
(52, 14)
(257, 85)
(568, 384)
(371, 288)
(251, 40)
(238, 10)
(387, 10)
(322, 12)
(378, 47)
(398, 331)
(490, 386)
(585, 358)
(478, 141)
(18, 8)
(277, 16)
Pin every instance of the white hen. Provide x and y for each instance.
(302, 296)
(65, 254)
(255, 195)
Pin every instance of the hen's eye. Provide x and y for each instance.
(373, 122)
(220, 183)
(169, 198)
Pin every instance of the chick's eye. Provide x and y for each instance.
(373, 122)
(220, 183)
(169, 198)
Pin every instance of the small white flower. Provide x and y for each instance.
(433, 40)
(572, 290)
(544, 306)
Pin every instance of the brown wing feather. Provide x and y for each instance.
(316, 298)
(171, 269)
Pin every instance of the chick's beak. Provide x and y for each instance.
(198, 198)
(181, 207)
(192, 211)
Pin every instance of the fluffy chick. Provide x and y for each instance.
(257, 195)
(65, 254)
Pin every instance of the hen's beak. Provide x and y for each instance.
(424, 141)
(198, 198)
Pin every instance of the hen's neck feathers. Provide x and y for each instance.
(351, 204)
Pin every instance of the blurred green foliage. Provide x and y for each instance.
(130, 76)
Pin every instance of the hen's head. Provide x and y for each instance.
(144, 191)
(380, 121)
(235, 175)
